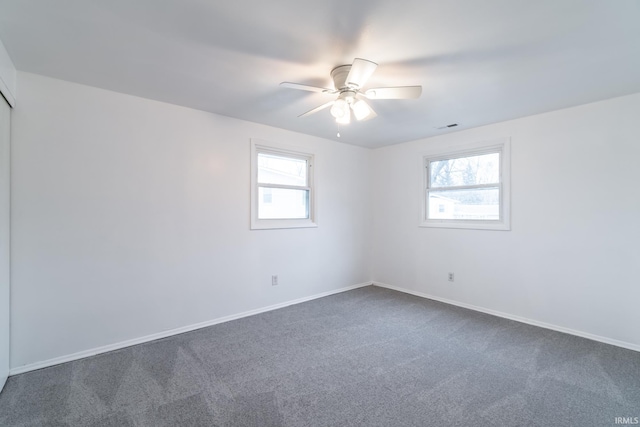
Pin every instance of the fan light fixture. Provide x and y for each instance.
(348, 83)
(360, 109)
(341, 108)
(344, 119)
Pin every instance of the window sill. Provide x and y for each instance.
(472, 225)
(278, 224)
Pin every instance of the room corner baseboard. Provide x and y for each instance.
(164, 334)
(617, 343)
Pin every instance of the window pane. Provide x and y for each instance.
(282, 203)
(482, 169)
(478, 204)
(273, 169)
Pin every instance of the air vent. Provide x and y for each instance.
(452, 125)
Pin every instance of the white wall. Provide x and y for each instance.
(131, 217)
(7, 76)
(572, 258)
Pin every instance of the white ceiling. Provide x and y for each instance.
(479, 61)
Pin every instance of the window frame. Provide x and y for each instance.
(256, 223)
(501, 146)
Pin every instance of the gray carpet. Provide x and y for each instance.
(368, 357)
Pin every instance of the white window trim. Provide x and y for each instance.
(503, 145)
(260, 146)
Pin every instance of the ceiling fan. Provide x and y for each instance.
(348, 81)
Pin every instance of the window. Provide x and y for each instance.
(281, 187)
(467, 187)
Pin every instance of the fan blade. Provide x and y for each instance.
(315, 110)
(361, 70)
(401, 92)
(307, 87)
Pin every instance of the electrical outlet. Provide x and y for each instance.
(274, 280)
(451, 277)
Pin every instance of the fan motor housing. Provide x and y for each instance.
(339, 76)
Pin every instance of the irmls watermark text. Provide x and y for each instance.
(626, 420)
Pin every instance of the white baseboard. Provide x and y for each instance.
(617, 343)
(176, 331)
